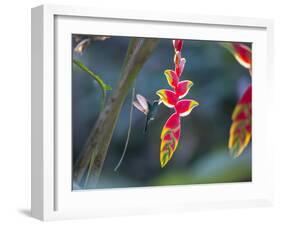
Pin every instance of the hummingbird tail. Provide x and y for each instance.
(146, 125)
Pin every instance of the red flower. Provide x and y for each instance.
(170, 134)
(241, 127)
(178, 45)
(243, 54)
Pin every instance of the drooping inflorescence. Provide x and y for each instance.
(170, 134)
(241, 128)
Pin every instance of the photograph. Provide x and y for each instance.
(150, 111)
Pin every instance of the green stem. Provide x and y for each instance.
(104, 87)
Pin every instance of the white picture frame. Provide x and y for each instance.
(52, 195)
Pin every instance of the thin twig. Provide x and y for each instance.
(129, 132)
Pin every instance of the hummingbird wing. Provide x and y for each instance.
(139, 107)
(143, 101)
(142, 104)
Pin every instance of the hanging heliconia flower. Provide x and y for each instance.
(241, 52)
(170, 134)
(241, 127)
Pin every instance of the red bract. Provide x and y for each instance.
(241, 127)
(247, 96)
(243, 54)
(178, 45)
(172, 78)
(184, 107)
(183, 88)
(179, 63)
(170, 134)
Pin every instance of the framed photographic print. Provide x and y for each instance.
(134, 112)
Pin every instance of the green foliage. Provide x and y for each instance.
(101, 83)
(104, 87)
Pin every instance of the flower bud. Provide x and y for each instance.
(178, 45)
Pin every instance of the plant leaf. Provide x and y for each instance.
(104, 87)
(100, 82)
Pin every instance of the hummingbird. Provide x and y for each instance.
(149, 109)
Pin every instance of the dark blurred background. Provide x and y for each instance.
(202, 155)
